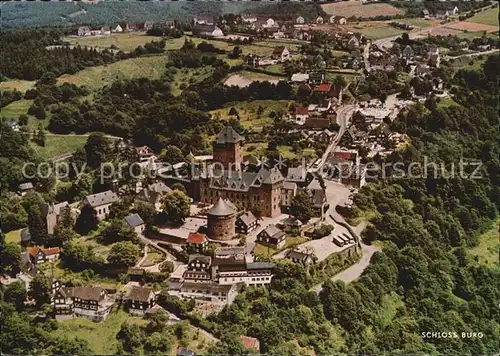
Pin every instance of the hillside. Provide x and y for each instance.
(39, 14)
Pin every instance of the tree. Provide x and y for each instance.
(236, 52)
(147, 212)
(86, 221)
(176, 207)
(16, 295)
(11, 258)
(121, 208)
(180, 187)
(78, 256)
(172, 155)
(124, 254)
(117, 231)
(47, 78)
(23, 120)
(37, 227)
(39, 137)
(40, 289)
(61, 236)
(96, 149)
(301, 207)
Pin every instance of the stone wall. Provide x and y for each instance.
(221, 228)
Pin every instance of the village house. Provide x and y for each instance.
(408, 53)
(207, 31)
(117, 29)
(300, 78)
(300, 20)
(327, 92)
(51, 213)
(253, 60)
(273, 237)
(317, 195)
(319, 20)
(426, 14)
(153, 194)
(105, 30)
(90, 302)
(83, 31)
(101, 203)
(39, 255)
(338, 20)
(248, 18)
(246, 223)
(298, 255)
(281, 53)
(250, 343)
(301, 114)
(144, 153)
(304, 35)
(148, 25)
(316, 78)
(139, 300)
(24, 188)
(135, 222)
(203, 20)
(196, 242)
(356, 40)
(131, 27)
(290, 222)
(297, 175)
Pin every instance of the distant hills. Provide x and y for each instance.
(16, 14)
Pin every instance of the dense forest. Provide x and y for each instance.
(60, 13)
(28, 54)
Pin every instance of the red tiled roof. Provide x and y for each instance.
(325, 87)
(196, 238)
(143, 150)
(51, 250)
(300, 110)
(250, 342)
(33, 251)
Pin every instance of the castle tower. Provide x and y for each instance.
(228, 148)
(221, 221)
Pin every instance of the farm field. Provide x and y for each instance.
(489, 247)
(487, 17)
(125, 42)
(187, 76)
(18, 84)
(13, 236)
(472, 27)
(96, 77)
(247, 112)
(355, 8)
(375, 29)
(58, 145)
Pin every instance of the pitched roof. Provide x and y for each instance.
(221, 208)
(196, 238)
(133, 220)
(87, 293)
(260, 265)
(51, 251)
(324, 87)
(296, 174)
(228, 135)
(95, 200)
(201, 258)
(248, 218)
(300, 110)
(250, 342)
(140, 294)
(25, 186)
(279, 49)
(273, 231)
(185, 352)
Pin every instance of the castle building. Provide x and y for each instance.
(221, 221)
(228, 148)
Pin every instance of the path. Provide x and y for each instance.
(354, 272)
(473, 54)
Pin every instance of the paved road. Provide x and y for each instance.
(352, 273)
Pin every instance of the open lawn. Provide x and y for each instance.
(355, 8)
(376, 30)
(186, 76)
(248, 112)
(100, 336)
(21, 85)
(488, 249)
(153, 258)
(421, 23)
(96, 77)
(487, 17)
(15, 109)
(58, 145)
(468, 62)
(264, 251)
(245, 78)
(13, 236)
(125, 42)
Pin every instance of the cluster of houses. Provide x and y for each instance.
(440, 14)
(119, 28)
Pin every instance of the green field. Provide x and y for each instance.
(100, 336)
(13, 236)
(489, 247)
(58, 145)
(187, 76)
(376, 33)
(18, 84)
(15, 109)
(247, 111)
(469, 63)
(96, 77)
(125, 42)
(488, 17)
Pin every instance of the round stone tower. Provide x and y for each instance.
(221, 221)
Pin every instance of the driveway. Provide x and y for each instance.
(354, 272)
